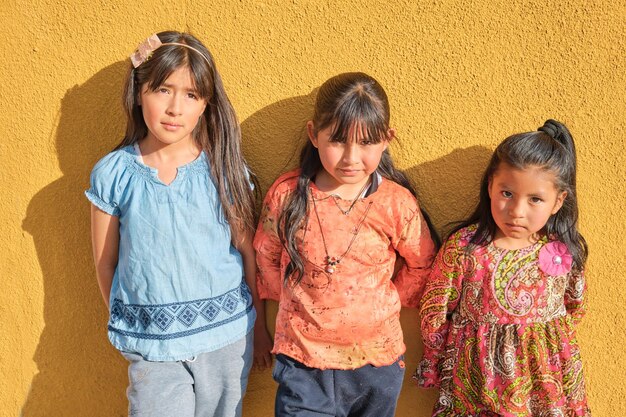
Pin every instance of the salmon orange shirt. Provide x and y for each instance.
(351, 317)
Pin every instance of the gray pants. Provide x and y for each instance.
(212, 385)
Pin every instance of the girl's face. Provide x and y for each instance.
(522, 201)
(172, 111)
(347, 166)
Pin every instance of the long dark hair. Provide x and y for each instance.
(217, 132)
(343, 100)
(551, 148)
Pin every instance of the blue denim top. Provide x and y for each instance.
(178, 289)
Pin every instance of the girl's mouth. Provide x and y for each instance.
(349, 172)
(171, 126)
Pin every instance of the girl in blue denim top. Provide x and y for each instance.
(172, 221)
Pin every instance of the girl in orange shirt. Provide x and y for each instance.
(328, 240)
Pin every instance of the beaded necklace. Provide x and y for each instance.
(331, 261)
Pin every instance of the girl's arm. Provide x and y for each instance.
(269, 250)
(262, 340)
(105, 237)
(575, 295)
(414, 244)
(441, 296)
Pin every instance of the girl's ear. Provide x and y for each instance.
(310, 130)
(391, 135)
(560, 199)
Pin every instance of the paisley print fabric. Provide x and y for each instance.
(499, 334)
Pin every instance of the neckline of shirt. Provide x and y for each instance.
(377, 181)
(136, 162)
(540, 242)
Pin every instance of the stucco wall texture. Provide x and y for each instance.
(461, 76)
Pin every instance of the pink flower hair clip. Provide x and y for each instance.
(555, 259)
(145, 50)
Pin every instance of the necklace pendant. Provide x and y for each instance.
(330, 269)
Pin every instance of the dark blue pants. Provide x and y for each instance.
(309, 392)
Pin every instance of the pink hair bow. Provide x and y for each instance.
(145, 50)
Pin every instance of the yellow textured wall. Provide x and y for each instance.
(461, 75)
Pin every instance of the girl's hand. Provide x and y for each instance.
(262, 347)
(262, 340)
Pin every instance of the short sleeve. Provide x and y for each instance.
(103, 187)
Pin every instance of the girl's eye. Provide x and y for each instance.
(366, 142)
(192, 96)
(337, 142)
(507, 194)
(162, 90)
(535, 200)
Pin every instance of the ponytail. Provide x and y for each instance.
(563, 224)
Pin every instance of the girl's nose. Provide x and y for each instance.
(516, 209)
(174, 107)
(350, 153)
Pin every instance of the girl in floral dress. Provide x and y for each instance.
(498, 312)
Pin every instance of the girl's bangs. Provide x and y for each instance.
(173, 58)
(367, 117)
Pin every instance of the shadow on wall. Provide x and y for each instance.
(273, 137)
(448, 187)
(80, 373)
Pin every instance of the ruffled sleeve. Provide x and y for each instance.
(416, 247)
(104, 183)
(441, 297)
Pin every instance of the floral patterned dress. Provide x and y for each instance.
(498, 329)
